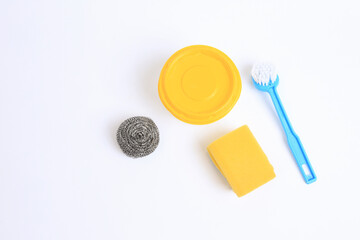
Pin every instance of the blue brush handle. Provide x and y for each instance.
(293, 140)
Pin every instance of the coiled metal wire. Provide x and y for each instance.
(138, 136)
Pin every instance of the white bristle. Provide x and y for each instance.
(264, 73)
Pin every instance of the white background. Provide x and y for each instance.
(72, 71)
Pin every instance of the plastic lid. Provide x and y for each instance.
(199, 84)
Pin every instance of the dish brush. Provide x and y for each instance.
(266, 79)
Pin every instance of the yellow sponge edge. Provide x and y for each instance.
(239, 157)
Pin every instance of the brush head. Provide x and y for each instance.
(264, 76)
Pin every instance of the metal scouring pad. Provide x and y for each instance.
(138, 136)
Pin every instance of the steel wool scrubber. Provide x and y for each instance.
(138, 136)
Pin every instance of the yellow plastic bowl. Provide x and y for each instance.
(199, 84)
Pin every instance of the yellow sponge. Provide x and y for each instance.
(241, 160)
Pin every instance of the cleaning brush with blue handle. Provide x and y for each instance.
(266, 79)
